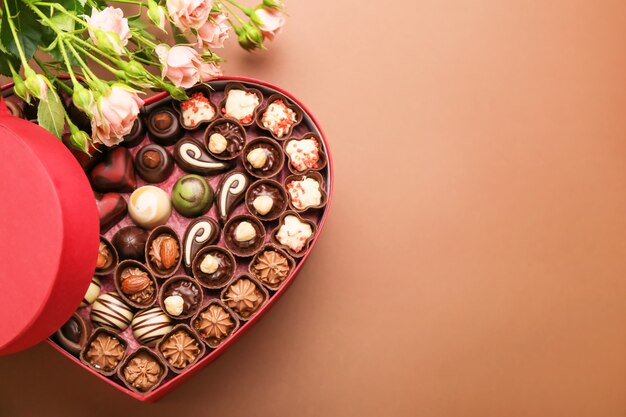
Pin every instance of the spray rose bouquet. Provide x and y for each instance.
(47, 40)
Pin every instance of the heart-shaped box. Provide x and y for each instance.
(50, 230)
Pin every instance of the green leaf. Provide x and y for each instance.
(5, 58)
(51, 114)
(29, 29)
(63, 21)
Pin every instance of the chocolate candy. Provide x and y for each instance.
(266, 199)
(241, 103)
(164, 127)
(213, 267)
(111, 209)
(192, 196)
(110, 310)
(201, 232)
(215, 323)
(181, 348)
(263, 157)
(163, 251)
(92, 293)
(191, 157)
(142, 371)
(225, 139)
(230, 192)
(153, 163)
(271, 266)
(181, 297)
(244, 296)
(149, 206)
(107, 257)
(73, 334)
(279, 117)
(136, 135)
(293, 233)
(243, 235)
(135, 284)
(150, 325)
(115, 172)
(198, 109)
(130, 243)
(104, 351)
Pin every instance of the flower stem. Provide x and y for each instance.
(230, 10)
(68, 64)
(246, 10)
(18, 45)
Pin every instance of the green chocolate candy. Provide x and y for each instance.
(192, 196)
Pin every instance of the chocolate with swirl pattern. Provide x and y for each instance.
(201, 232)
(193, 158)
(230, 192)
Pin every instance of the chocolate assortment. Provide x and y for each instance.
(206, 208)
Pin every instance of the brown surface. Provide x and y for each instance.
(479, 273)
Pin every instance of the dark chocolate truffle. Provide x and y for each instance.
(164, 127)
(136, 135)
(130, 243)
(154, 163)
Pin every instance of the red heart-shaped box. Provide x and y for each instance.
(49, 234)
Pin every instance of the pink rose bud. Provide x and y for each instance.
(187, 14)
(214, 32)
(110, 21)
(209, 71)
(182, 65)
(114, 114)
(36, 84)
(270, 21)
(156, 14)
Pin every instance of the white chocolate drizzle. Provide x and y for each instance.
(191, 153)
(200, 232)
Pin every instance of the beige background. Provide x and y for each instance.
(474, 263)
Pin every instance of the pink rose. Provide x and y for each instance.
(214, 32)
(272, 21)
(181, 64)
(188, 14)
(114, 115)
(209, 70)
(110, 19)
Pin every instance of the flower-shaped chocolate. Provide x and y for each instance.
(244, 296)
(271, 267)
(143, 372)
(104, 352)
(180, 349)
(214, 324)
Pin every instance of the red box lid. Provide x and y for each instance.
(49, 233)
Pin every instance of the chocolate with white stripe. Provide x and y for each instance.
(110, 310)
(150, 325)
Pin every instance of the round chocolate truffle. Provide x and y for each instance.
(149, 206)
(164, 127)
(130, 243)
(192, 196)
(73, 334)
(136, 135)
(153, 163)
(93, 291)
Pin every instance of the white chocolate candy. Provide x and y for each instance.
(200, 111)
(174, 305)
(278, 118)
(304, 154)
(111, 311)
(209, 264)
(294, 233)
(93, 291)
(305, 193)
(257, 158)
(244, 232)
(263, 204)
(150, 325)
(149, 206)
(217, 143)
(241, 105)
